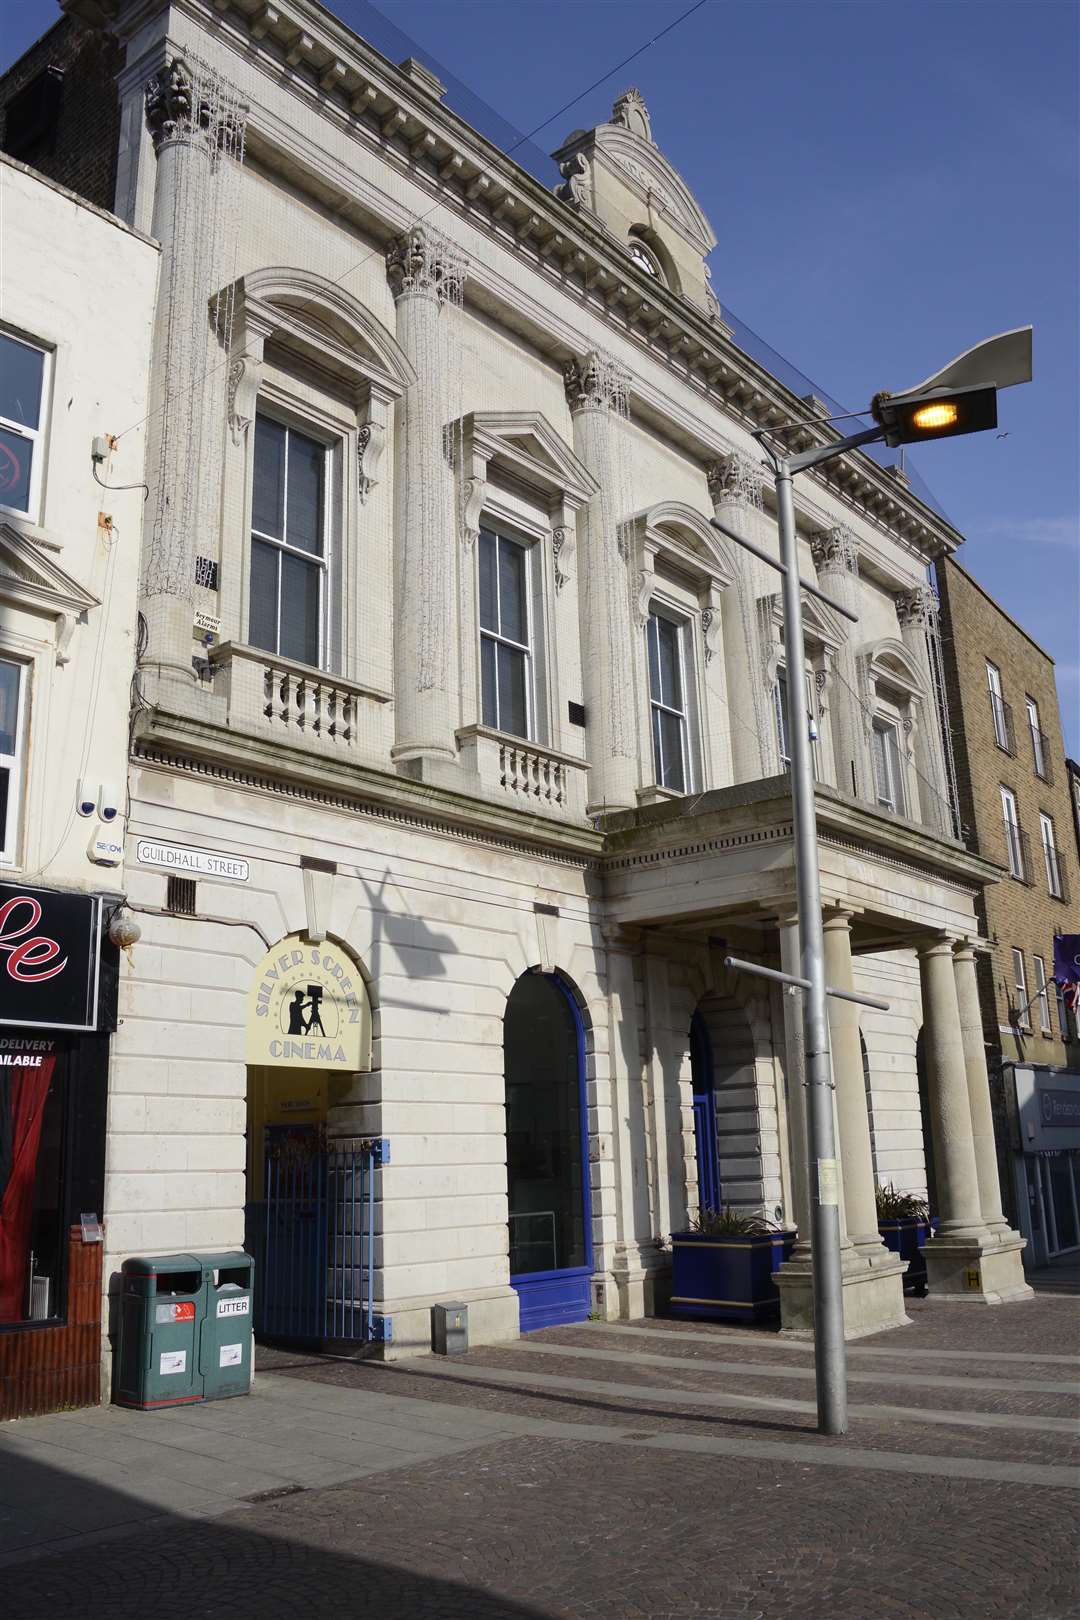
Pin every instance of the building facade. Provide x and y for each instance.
(1015, 800)
(70, 372)
(459, 761)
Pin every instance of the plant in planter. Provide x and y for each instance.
(904, 1224)
(722, 1267)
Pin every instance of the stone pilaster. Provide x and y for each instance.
(917, 612)
(964, 1260)
(735, 486)
(596, 393)
(637, 1259)
(425, 273)
(836, 560)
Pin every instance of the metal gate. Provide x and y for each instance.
(313, 1239)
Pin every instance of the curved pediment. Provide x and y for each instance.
(656, 182)
(891, 664)
(686, 539)
(305, 308)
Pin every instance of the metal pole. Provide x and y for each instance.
(829, 1350)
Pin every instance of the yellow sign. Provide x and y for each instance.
(308, 1009)
(972, 1280)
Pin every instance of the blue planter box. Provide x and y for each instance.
(727, 1279)
(906, 1238)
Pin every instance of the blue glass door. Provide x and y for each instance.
(547, 1153)
(705, 1144)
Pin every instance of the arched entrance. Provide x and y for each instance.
(547, 1165)
(706, 1146)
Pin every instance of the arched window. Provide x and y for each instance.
(546, 1152)
(645, 260)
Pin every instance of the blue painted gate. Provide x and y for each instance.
(705, 1142)
(313, 1240)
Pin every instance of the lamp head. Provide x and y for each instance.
(962, 397)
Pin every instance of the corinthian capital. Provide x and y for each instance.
(918, 606)
(596, 383)
(735, 480)
(172, 107)
(834, 549)
(424, 262)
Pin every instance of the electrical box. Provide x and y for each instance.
(450, 1328)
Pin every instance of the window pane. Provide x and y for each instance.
(654, 657)
(512, 710)
(21, 371)
(780, 700)
(262, 614)
(667, 638)
(657, 743)
(489, 611)
(5, 776)
(268, 491)
(671, 737)
(488, 682)
(882, 785)
(304, 522)
(300, 583)
(9, 707)
(514, 624)
(892, 748)
(16, 458)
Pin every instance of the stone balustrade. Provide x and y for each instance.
(525, 774)
(291, 702)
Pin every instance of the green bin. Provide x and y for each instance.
(225, 1346)
(162, 1310)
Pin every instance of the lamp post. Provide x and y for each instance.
(961, 398)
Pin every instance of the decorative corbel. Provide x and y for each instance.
(473, 496)
(370, 444)
(645, 584)
(561, 548)
(242, 388)
(65, 629)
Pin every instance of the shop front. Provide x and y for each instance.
(58, 984)
(1047, 1166)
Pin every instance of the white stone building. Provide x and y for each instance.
(452, 691)
(76, 319)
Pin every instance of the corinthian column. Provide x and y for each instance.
(836, 559)
(425, 273)
(596, 393)
(982, 1119)
(735, 487)
(184, 132)
(947, 1084)
(917, 611)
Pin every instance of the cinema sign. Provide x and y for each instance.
(308, 1008)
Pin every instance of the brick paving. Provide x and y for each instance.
(620, 1525)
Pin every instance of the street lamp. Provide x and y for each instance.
(961, 398)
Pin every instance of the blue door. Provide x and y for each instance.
(708, 1153)
(547, 1162)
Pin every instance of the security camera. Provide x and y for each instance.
(108, 802)
(85, 799)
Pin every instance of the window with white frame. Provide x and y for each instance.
(1042, 994)
(1020, 990)
(506, 637)
(290, 543)
(1013, 843)
(1038, 741)
(998, 707)
(668, 703)
(1051, 858)
(13, 681)
(23, 380)
(888, 768)
(783, 719)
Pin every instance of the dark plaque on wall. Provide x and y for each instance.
(49, 958)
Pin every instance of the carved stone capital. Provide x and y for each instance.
(834, 550)
(596, 383)
(735, 480)
(171, 109)
(424, 262)
(918, 607)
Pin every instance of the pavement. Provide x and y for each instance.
(647, 1471)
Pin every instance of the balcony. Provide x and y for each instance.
(290, 703)
(1055, 873)
(1002, 715)
(526, 775)
(1018, 854)
(1040, 755)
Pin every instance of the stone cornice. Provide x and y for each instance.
(321, 60)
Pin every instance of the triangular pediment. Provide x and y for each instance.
(32, 580)
(524, 445)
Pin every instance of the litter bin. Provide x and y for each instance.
(162, 1306)
(225, 1348)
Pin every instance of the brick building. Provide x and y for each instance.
(1015, 807)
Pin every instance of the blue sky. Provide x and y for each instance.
(889, 183)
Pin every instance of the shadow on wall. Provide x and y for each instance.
(421, 952)
(154, 1562)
